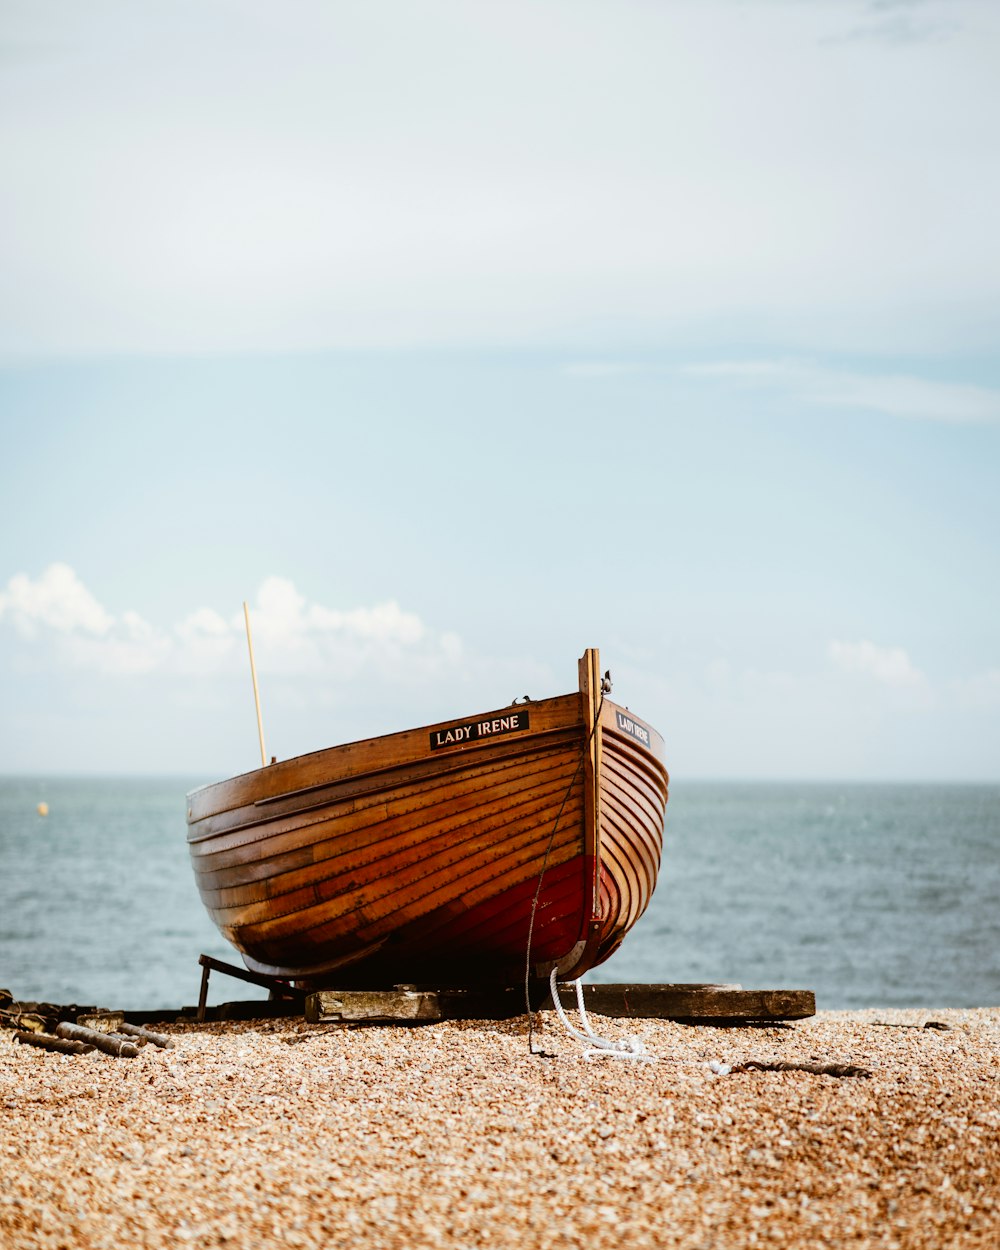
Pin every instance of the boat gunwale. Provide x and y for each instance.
(415, 739)
(411, 747)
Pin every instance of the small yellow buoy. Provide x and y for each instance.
(43, 809)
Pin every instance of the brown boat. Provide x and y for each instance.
(462, 853)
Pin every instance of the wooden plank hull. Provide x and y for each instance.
(429, 856)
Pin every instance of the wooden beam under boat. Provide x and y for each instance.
(702, 1004)
(696, 1004)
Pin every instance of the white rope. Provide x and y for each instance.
(627, 1048)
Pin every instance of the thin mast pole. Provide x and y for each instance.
(256, 694)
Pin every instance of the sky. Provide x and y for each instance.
(456, 338)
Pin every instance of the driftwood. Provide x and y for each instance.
(788, 1065)
(65, 1046)
(40, 1016)
(26, 1020)
(930, 1024)
(143, 1035)
(81, 1039)
(106, 1042)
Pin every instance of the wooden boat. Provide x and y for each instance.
(438, 855)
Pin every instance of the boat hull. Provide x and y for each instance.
(462, 853)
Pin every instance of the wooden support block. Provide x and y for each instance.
(398, 1006)
(706, 1004)
(654, 1002)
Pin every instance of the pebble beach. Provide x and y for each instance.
(280, 1132)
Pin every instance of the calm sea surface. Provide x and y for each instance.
(871, 895)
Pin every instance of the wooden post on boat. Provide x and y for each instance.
(590, 697)
(256, 694)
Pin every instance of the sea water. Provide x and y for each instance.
(870, 895)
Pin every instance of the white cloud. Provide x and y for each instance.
(57, 600)
(386, 622)
(131, 646)
(83, 632)
(205, 623)
(205, 640)
(898, 395)
(889, 665)
(913, 397)
(282, 615)
(294, 636)
(300, 637)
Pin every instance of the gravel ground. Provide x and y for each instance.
(284, 1133)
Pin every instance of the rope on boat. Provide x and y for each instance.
(630, 1047)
